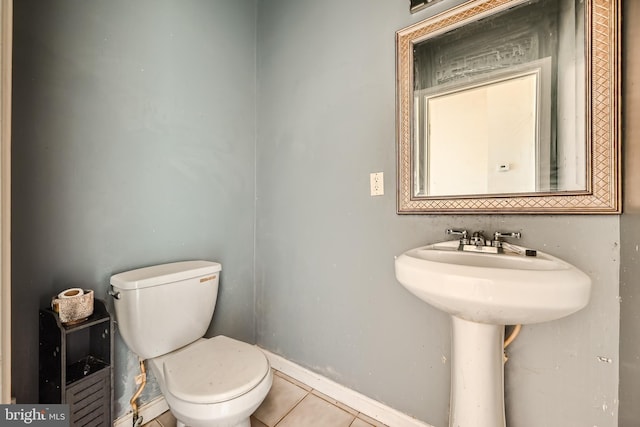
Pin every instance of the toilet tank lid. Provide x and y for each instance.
(165, 273)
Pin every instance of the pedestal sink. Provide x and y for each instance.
(483, 292)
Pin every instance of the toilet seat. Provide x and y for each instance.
(213, 370)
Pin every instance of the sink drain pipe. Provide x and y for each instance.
(512, 336)
(141, 381)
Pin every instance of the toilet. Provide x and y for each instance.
(162, 313)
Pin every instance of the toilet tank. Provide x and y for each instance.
(164, 307)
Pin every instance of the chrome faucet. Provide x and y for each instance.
(478, 239)
(478, 242)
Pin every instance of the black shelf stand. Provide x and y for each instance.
(76, 365)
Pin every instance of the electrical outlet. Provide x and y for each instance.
(377, 184)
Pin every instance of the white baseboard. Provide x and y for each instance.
(148, 411)
(351, 398)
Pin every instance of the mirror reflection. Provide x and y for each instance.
(498, 104)
(504, 140)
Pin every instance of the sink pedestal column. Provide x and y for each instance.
(477, 374)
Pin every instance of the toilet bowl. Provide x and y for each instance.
(212, 382)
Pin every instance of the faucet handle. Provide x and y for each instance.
(499, 235)
(502, 234)
(464, 235)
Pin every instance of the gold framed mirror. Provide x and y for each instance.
(510, 106)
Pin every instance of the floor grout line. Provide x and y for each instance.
(293, 407)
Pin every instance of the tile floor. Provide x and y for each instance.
(293, 404)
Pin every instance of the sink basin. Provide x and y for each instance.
(503, 289)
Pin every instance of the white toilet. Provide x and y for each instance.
(162, 313)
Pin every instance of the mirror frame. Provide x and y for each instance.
(603, 193)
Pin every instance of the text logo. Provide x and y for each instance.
(34, 415)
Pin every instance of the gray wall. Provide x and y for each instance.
(327, 297)
(630, 224)
(134, 132)
(133, 144)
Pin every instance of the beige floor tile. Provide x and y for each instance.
(293, 380)
(316, 412)
(282, 397)
(167, 420)
(152, 423)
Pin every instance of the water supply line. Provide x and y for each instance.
(512, 336)
(141, 381)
